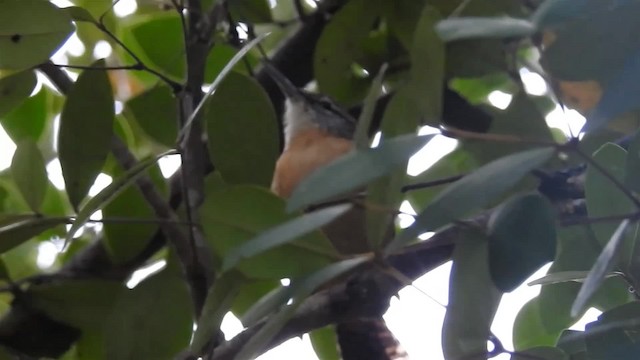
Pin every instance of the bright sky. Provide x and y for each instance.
(414, 318)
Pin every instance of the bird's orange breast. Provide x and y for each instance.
(306, 152)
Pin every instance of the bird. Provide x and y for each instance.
(316, 132)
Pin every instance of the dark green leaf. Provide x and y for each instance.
(473, 300)
(474, 191)
(556, 12)
(14, 232)
(234, 215)
(84, 304)
(218, 302)
(242, 131)
(15, 88)
(283, 234)
(29, 174)
(111, 191)
(86, 127)
(249, 294)
(361, 137)
(528, 329)
(615, 336)
(603, 266)
(564, 276)
(541, 353)
(325, 343)
(253, 11)
(572, 341)
(152, 321)
(30, 31)
(354, 170)
(479, 27)
(27, 120)
(632, 164)
(155, 110)
(77, 13)
(522, 238)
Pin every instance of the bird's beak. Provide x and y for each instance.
(288, 89)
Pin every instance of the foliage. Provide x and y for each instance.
(514, 193)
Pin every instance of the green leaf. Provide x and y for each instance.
(76, 13)
(234, 215)
(632, 164)
(480, 27)
(252, 11)
(338, 47)
(542, 353)
(30, 31)
(104, 197)
(16, 230)
(249, 294)
(152, 321)
(15, 88)
(84, 304)
(29, 173)
(155, 110)
(27, 120)
(565, 276)
(361, 137)
(473, 191)
(218, 302)
(603, 266)
(473, 300)
(86, 128)
(300, 290)
(325, 343)
(242, 131)
(354, 170)
(283, 234)
(615, 335)
(522, 238)
(528, 329)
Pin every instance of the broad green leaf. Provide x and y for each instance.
(603, 266)
(339, 45)
(473, 300)
(86, 127)
(402, 17)
(152, 321)
(354, 170)
(565, 276)
(29, 119)
(30, 31)
(528, 329)
(84, 304)
(267, 304)
(361, 137)
(325, 343)
(283, 234)
(29, 173)
(249, 294)
(632, 164)
(242, 131)
(522, 238)
(107, 194)
(126, 240)
(4, 271)
(615, 335)
(234, 215)
(478, 27)
(15, 232)
(300, 290)
(572, 341)
(474, 191)
(156, 111)
(252, 11)
(15, 88)
(541, 352)
(77, 13)
(218, 302)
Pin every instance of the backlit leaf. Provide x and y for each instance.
(15, 88)
(29, 174)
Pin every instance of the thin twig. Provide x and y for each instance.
(433, 183)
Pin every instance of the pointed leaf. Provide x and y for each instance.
(325, 343)
(473, 191)
(30, 31)
(481, 27)
(86, 127)
(283, 234)
(361, 137)
(522, 238)
(528, 329)
(111, 191)
(15, 88)
(156, 112)
(29, 173)
(605, 263)
(252, 11)
(614, 336)
(76, 13)
(354, 170)
(565, 276)
(15, 233)
(29, 119)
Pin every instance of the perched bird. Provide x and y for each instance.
(317, 131)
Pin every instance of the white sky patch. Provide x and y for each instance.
(589, 316)
(534, 84)
(7, 148)
(311, 3)
(285, 281)
(405, 220)
(376, 139)
(102, 181)
(145, 272)
(74, 46)
(169, 165)
(54, 172)
(62, 3)
(102, 50)
(295, 348)
(118, 106)
(231, 326)
(435, 149)
(500, 99)
(569, 121)
(125, 8)
(47, 254)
